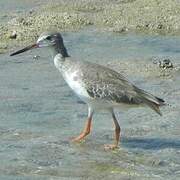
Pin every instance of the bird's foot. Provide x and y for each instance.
(110, 146)
(79, 138)
(76, 139)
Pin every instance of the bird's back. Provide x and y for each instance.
(103, 83)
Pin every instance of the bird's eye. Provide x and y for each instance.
(49, 38)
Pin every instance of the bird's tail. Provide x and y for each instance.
(152, 101)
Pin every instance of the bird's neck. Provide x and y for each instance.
(60, 62)
(60, 49)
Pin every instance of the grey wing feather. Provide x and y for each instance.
(104, 83)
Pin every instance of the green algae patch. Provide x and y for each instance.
(3, 48)
(114, 169)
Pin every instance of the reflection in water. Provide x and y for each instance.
(151, 143)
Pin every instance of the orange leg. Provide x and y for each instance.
(117, 134)
(86, 130)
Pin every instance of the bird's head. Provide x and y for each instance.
(47, 39)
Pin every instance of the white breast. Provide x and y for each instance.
(72, 77)
(76, 84)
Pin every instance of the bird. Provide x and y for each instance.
(98, 86)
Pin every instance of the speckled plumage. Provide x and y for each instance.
(98, 86)
(105, 85)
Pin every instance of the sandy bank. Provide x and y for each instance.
(152, 16)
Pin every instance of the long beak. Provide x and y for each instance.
(25, 49)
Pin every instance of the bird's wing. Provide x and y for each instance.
(104, 83)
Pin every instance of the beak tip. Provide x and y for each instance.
(12, 54)
(24, 49)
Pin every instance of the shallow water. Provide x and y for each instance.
(39, 113)
(11, 8)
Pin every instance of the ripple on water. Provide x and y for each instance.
(35, 125)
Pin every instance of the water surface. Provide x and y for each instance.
(11, 8)
(39, 113)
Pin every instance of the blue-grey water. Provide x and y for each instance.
(39, 114)
(11, 8)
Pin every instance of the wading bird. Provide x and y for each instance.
(98, 86)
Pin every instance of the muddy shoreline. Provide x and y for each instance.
(120, 16)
